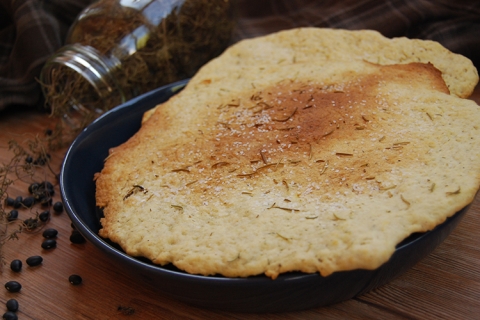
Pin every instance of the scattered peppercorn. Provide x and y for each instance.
(44, 216)
(29, 159)
(28, 202)
(48, 132)
(42, 192)
(76, 237)
(9, 315)
(58, 207)
(47, 186)
(49, 244)
(75, 279)
(18, 202)
(32, 188)
(12, 305)
(34, 261)
(50, 233)
(13, 286)
(9, 202)
(42, 159)
(16, 265)
(12, 215)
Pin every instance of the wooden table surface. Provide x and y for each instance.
(445, 285)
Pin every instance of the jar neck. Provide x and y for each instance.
(82, 77)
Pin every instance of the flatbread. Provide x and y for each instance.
(303, 166)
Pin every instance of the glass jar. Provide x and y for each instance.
(119, 49)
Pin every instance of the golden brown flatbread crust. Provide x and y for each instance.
(304, 166)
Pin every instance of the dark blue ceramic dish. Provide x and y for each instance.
(289, 292)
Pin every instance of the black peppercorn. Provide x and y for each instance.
(34, 261)
(76, 237)
(42, 192)
(16, 265)
(12, 305)
(29, 159)
(28, 202)
(9, 202)
(12, 215)
(33, 188)
(13, 286)
(9, 315)
(18, 202)
(75, 279)
(58, 207)
(42, 159)
(49, 244)
(48, 187)
(44, 216)
(50, 233)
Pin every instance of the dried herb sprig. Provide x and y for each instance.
(30, 161)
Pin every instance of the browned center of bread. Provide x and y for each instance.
(299, 124)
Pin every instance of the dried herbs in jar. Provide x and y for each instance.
(119, 49)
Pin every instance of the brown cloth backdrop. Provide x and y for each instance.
(32, 30)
